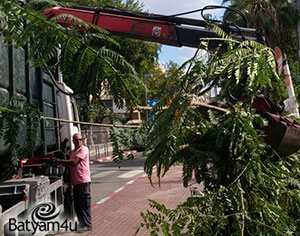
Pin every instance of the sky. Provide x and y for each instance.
(169, 7)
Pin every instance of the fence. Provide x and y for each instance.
(96, 136)
(97, 140)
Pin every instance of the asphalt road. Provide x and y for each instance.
(107, 177)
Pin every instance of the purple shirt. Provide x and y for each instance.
(81, 172)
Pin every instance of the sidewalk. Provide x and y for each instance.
(120, 214)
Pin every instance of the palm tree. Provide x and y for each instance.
(277, 18)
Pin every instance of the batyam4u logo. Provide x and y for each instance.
(42, 218)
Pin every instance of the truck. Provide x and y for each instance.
(34, 84)
(37, 179)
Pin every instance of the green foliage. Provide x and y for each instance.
(142, 55)
(140, 136)
(248, 188)
(121, 140)
(13, 117)
(157, 84)
(132, 5)
(97, 111)
(126, 139)
(277, 18)
(263, 201)
(162, 78)
(83, 56)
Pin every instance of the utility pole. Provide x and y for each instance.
(291, 105)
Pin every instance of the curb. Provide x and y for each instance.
(109, 158)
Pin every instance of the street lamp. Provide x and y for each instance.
(146, 77)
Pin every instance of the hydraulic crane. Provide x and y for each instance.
(169, 30)
(282, 133)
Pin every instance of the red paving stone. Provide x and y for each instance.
(121, 214)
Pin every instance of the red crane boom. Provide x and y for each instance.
(169, 30)
(282, 133)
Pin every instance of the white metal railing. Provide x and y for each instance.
(90, 123)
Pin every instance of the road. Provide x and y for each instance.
(120, 215)
(107, 177)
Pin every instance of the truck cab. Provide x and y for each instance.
(67, 110)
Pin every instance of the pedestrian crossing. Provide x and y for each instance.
(130, 174)
(101, 174)
(109, 172)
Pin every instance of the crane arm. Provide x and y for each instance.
(168, 30)
(282, 133)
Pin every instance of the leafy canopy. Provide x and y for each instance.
(83, 56)
(248, 189)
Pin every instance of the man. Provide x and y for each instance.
(81, 181)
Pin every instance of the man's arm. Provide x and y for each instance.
(71, 162)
